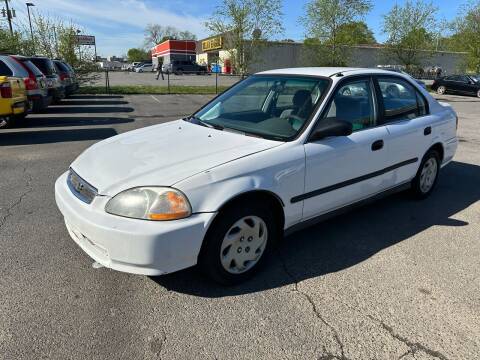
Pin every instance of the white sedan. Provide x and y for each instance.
(274, 153)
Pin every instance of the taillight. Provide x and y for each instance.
(30, 84)
(6, 90)
(64, 76)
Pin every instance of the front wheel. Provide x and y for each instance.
(427, 175)
(238, 243)
(478, 93)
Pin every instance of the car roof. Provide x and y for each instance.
(324, 71)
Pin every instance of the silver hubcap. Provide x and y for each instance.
(428, 175)
(441, 90)
(243, 244)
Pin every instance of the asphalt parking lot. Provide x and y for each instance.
(396, 279)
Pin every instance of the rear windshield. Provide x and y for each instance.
(67, 65)
(61, 67)
(35, 70)
(45, 65)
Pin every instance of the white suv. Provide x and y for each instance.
(278, 151)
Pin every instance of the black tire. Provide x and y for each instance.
(6, 122)
(478, 93)
(416, 188)
(209, 258)
(441, 90)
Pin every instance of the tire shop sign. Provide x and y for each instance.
(212, 44)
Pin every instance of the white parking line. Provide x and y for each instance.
(154, 98)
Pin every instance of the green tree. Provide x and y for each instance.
(156, 34)
(246, 25)
(136, 54)
(327, 22)
(355, 33)
(411, 32)
(466, 36)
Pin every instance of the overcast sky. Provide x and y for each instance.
(118, 24)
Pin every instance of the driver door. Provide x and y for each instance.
(345, 169)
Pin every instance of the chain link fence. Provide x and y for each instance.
(169, 83)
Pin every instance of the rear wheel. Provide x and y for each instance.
(441, 90)
(478, 93)
(427, 175)
(6, 122)
(238, 243)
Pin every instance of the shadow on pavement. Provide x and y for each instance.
(92, 102)
(86, 109)
(54, 136)
(349, 239)
(33, 122)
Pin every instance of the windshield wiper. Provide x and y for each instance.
(196, 120)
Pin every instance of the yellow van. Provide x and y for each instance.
(13, 100)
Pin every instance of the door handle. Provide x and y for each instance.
(427, 131)
(377, 145)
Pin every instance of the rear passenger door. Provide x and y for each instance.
(404, 111)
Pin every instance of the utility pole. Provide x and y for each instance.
(56, 41)
(30, 22)
(9, 17)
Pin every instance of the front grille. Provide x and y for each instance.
(80, 188)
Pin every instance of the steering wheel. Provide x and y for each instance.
(295, 117)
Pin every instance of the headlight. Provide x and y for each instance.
(150, 203)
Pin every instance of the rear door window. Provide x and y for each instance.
(401, 101)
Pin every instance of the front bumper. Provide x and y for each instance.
(130, 245)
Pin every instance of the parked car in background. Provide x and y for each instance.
(55, 87)
(148, 67)
(13, 99)
(67, 77)
(281, 150)
(35, 85)
(184, 66)
(133, 65)
(73, 77)
(459, 84)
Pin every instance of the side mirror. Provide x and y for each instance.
(331, 128)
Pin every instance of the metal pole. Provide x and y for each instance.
(168, 81)
(30, 22)
(216, 80)
(95, 44)
(55, 38)
(9, 18)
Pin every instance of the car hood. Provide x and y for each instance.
(161, 155)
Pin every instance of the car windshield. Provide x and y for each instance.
(274, 106)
